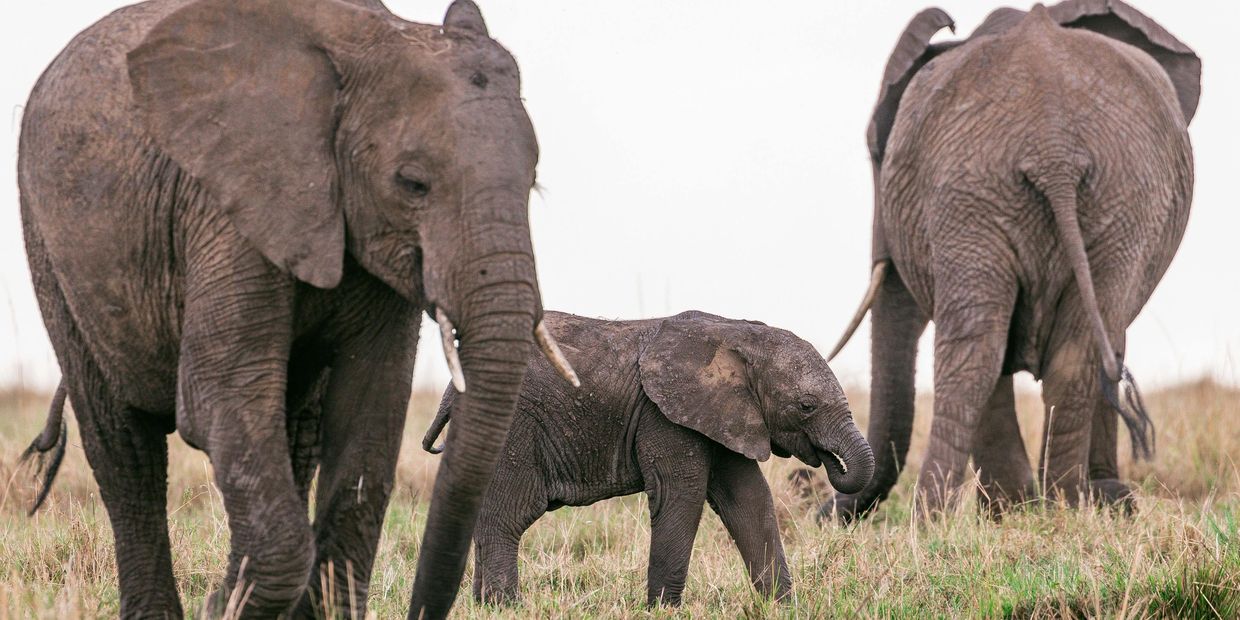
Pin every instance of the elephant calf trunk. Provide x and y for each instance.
(849, 462)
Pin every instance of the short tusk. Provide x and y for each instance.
(843, 465)
(449, 350)
(553, 354)
(876, 280)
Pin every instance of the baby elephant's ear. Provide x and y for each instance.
(699, 380)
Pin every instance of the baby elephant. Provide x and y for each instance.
(681, 408)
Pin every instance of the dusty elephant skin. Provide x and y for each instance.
(680, 408)
(1032, 184)
(235, 215)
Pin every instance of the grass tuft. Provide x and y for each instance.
(1179, 556)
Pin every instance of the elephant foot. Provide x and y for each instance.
(498, 597)
(223, 603)
(1112, 493)
(994, 502)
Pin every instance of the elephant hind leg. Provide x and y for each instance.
(1105, 485)
(999, 454)
(128, 451)
(972, 316)
(1071, 392)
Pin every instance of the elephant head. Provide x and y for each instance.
(324, 128)
(755, 390)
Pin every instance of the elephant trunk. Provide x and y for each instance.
(496, 339)
(848, 459)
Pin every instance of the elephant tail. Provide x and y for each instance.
(54, 439)
(440, 421)
(1118, 386)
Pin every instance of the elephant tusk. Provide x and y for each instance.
(843, 465)
(449, 350)
(553, 354)
(876, 280)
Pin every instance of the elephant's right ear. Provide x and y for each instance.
(1121, 22)
(699, 379)
(912, 52)
(242, 95)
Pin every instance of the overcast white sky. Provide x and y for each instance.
(710, 155)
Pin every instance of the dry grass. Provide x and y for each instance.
(1179, 557)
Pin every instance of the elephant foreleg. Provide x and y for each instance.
(676, 476)
(504, 518)
(739, 494)
(361, 427)
(231, 399)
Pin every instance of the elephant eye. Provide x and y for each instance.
(808, 404)
(412, 182)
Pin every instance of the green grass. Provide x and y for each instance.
(1178, 557)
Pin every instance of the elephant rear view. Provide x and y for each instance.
(1032, 184)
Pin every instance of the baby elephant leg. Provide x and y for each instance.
(676, 485)
(738, 493)
(506, 514)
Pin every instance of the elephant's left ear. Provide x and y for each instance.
(242, 96)
(1121, 22)
(700, 380)
(912, 51)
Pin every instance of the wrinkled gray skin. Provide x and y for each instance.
(681, 408)
(1032, 185)
(234, 211)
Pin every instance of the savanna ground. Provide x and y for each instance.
(1178, 557)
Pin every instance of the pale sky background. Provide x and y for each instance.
(710, 155)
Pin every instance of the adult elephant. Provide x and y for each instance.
(1032, 184)
(231, 207)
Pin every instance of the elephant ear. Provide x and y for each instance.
(464, 16)
(699, 378)
(912, 51)
(242, 96)
(1121, 22)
